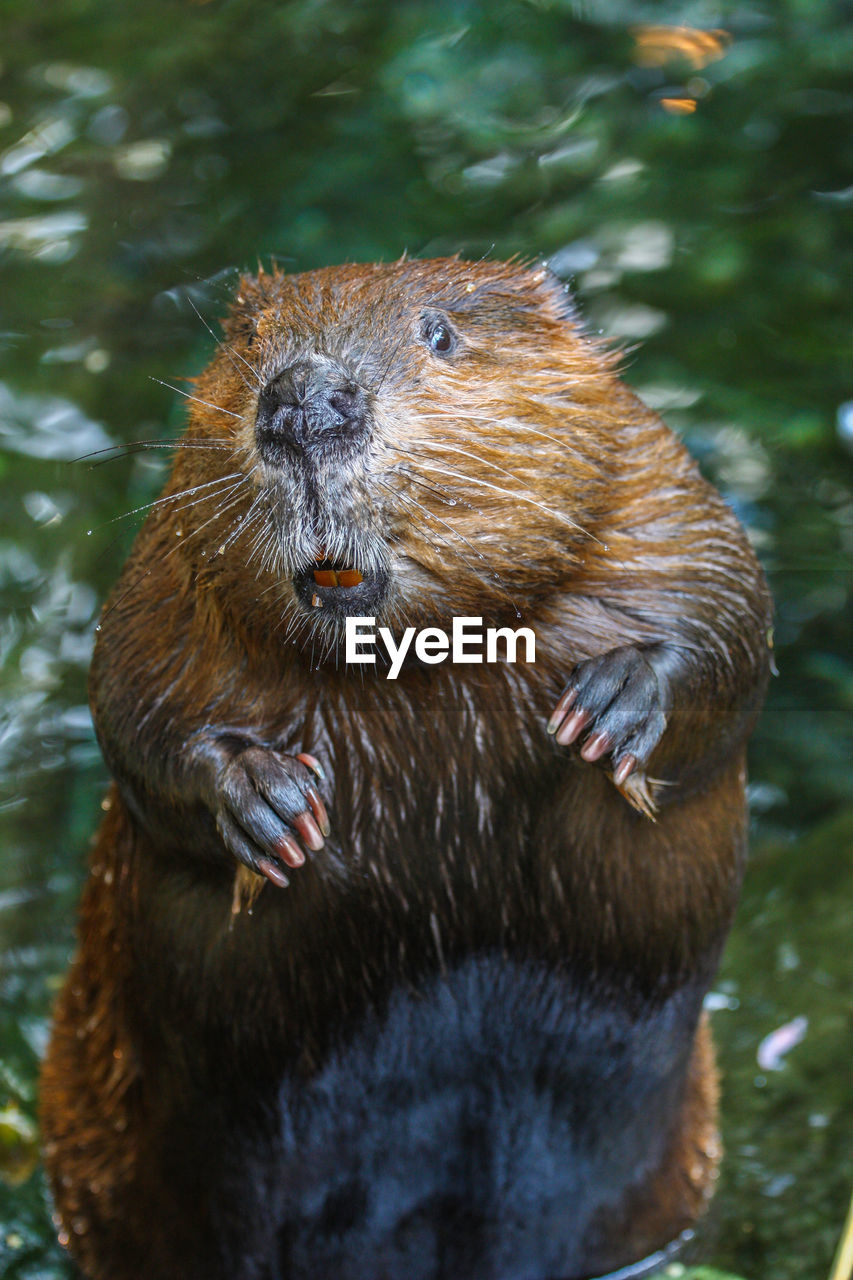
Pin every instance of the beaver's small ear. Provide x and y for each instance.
(240, 324)
(250, 302)
(557, 293)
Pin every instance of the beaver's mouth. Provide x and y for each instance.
(340, 588)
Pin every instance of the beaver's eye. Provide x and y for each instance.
(439, 336)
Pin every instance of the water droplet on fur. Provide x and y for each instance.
(451, 502)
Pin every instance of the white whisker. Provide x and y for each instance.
(218, 408)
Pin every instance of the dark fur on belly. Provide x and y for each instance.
(471, 1134)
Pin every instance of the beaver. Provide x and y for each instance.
(459, 1031)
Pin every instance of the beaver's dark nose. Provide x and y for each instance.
(307, 408)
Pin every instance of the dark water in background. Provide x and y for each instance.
(702, 212)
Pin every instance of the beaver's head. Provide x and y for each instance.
(415, 440)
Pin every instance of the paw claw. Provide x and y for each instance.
(595, 747)
(624, 769)
(565, 703)
(273, 873)
(573, 727)
(318, 809)
(288, 850)
(309, 831)
(312, 763)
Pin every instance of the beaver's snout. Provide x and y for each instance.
(310, 407)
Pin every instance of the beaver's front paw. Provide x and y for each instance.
(615, 705)
(265, 803)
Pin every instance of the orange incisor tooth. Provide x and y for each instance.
(325, 577)
(349, 578)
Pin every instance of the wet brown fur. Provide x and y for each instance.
(520, 482)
